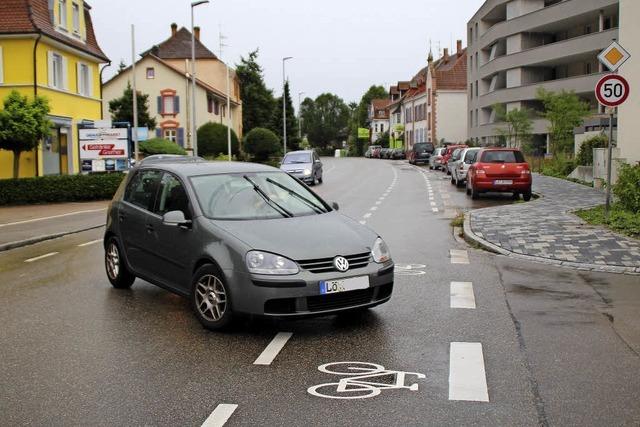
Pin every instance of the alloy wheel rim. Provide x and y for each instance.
(113, 261)
(211, 298)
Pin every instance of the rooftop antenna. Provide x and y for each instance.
(439, 49)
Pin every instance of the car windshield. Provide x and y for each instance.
(502, 157)
(250, 196)
(295, 158)
(420, 147)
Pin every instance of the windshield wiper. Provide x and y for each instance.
(316, 208)
(282, 211)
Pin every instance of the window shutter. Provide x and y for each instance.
(159, 105)
(158, 133)
(90, 82)
(79, 78)
(65, 73)
(50, 68)
(176, 104)
(180, 135)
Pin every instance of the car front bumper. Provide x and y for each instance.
(302, 177)
(299, 295)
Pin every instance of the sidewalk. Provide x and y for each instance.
(545, 230)
(25, 225)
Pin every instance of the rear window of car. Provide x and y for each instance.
(502, 157)
(421, 147)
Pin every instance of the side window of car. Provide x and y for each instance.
(142, 189)
(172, 197)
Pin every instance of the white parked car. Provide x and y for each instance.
(460, 168)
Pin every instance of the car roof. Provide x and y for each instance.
(203, 167)
(500, 149)
(300, 152)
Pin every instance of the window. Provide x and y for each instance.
(171, 134)
(477, 62)
(76, 18)
(84, 79)
(57, 71)
(151, 73)
(142, 189)
(1, 67)
(167, 105)
(477, 85)
(588, 29)
(62, 14)
(381, 127)
(172, 197)
(471, 90)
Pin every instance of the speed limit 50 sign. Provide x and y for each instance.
(612, 90)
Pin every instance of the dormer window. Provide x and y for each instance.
(62, 14)
(76, 18)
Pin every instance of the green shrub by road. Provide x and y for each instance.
(59, 188)
(160, 146)
(620, 220)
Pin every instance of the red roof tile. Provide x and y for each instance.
(178, 46)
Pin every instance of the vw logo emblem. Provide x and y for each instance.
(341, 263)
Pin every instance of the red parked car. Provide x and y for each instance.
(499, 170)
(447, 155)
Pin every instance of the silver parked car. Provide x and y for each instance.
(461, 167)
(435, 161)
(304, 165)
(455, 156)
(241, 238)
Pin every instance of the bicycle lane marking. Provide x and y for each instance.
(274, 347)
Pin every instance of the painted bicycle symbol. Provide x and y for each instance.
(364, 380)
(410, 269)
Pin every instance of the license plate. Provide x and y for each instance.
(343, 285)
(503, 182)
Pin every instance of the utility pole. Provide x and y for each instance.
(194, 133)
(284, 104)
(134, 132)
(222, 45)
(607, 207)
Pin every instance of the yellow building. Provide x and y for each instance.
(48, 48)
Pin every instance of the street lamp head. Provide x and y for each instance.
(198, 3)
(286, 58)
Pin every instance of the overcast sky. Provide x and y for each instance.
(339, 46)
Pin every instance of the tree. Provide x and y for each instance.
(23, 124)
(384, 140)
(564, 111)
(212, 140)
(325, 120)
(262, 144)
(293, 142)
(374, 92)
(585, 154)
(121, 109)
(257, 101)
(518, 125)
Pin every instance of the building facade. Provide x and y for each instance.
(48, 48)
(378, 118)
(629, 112)
(163, 73)
(516, 47)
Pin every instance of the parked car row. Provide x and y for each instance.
(378, 152)
(483, 170)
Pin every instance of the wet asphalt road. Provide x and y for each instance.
(559, 347)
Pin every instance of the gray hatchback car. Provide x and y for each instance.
(229, 237)
(304, 165)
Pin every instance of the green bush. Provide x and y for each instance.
(212, 140)
(59, 188)
(627, 189)
(621, 220)
(262, 144)
(559, 167)
(585, 155)
(160, 146)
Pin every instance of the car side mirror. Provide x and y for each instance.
(176, 219)
(317, 160)
(335, 206)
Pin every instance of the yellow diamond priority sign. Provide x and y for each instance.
(614, 56)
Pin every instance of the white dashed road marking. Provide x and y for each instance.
(41, 257)
(220, 415)
(374, 208)
(435, 210)
(367, 215)
(467, 377)
(274, 347)
(82, 245)
(459, 257)
(462, 295)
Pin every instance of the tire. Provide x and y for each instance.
(516, 196)
(453, 180)
(468, 188)
(320, 179)
(527, 196)
(117, 271)
(210, 298)
(475, 194)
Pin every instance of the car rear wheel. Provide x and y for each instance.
(117, 272)
(527, 196)
(210, 298)
(453, 180)
(475, 194)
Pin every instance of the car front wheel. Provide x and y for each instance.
(210, 298)
(117, 272)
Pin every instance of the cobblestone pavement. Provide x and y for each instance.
(546, 229)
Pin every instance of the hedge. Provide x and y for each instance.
(59, 188)
(160, 146)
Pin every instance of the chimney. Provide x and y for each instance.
(446, 54)
(196, 32)
(459, 46)
(174, 29)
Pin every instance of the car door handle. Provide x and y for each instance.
(121, 217)
(149, 228)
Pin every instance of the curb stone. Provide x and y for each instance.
(470, 235)
(43, 238)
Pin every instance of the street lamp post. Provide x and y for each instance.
(284, 104)
(299, 116)
(194, 134)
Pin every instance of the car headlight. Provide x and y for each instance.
(307, 172)
(259, 262)
(380, 251)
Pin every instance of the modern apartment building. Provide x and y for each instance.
(518, 46)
